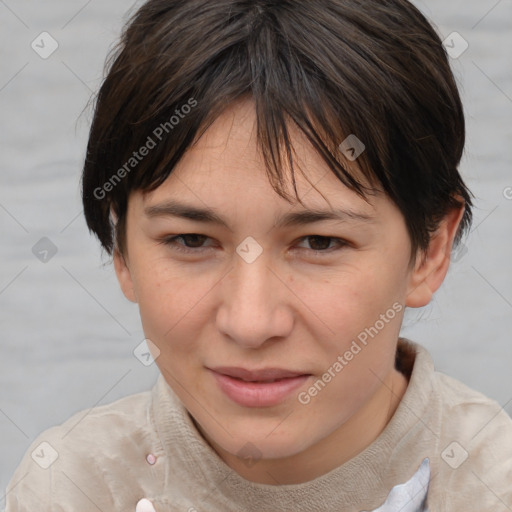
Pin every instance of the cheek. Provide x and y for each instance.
(166, 298)
(360, 313)
(175, 307)
(349, 301)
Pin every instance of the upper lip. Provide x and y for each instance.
(257, 375)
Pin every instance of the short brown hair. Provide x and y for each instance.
(374, 69)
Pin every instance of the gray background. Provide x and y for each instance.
(68, 333)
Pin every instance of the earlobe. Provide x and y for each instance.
(432, 265)
(124, 276)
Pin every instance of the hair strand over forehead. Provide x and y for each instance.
(330, 68)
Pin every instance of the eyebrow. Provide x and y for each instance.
(172, 208)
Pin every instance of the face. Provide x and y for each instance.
(242, 294)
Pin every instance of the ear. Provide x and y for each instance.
(124, 276)
(432, 265)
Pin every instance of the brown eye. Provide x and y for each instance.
(192, 242)
(319, 243)
(322, 245)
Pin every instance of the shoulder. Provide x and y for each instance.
(468, 412)
(466, 435)
(472, 414)
(84, 457)
(475, 446)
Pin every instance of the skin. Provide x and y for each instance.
(293, 307)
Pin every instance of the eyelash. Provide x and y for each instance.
(172, 242)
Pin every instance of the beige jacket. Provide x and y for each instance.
(446, 444)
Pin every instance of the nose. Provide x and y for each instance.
(256, 304)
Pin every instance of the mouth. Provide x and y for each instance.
(264, 375)
(258, 388)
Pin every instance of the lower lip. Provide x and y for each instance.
(256, 394)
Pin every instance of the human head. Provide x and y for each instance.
(191, 84)
(334, 68)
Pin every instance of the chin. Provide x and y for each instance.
(287, 444)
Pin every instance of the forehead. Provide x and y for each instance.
(225, 165)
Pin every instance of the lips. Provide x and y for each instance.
(265, 375)
(258, 388)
